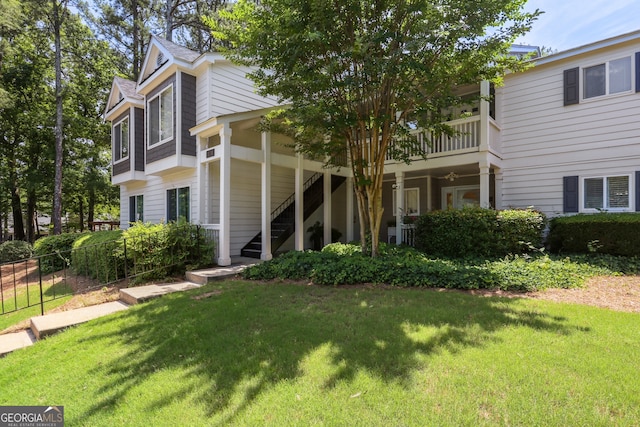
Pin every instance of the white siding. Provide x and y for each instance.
(154, 191)
(543, 140)
(232, 92)
(202, 95)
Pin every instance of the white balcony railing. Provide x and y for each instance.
(466, 138)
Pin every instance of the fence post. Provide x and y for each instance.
(126, 270)
(40, 281)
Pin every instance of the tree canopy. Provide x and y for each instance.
(358, 75)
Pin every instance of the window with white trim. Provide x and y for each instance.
(136, 208)
(607, 79)
(606, 193)
(411, 202)
(160, 117)
(121, 140)
(178, 204)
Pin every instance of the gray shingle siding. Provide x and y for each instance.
(139, 140)
(188, 114)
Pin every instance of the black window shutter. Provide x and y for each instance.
(132, 209)
(570, 194)
(637, 71)
(637, 191)
(572, 86)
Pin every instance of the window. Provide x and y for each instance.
(136, 208)
(606, 193)
(121, 140)
(178, 204)
(609, 78)
(411, 202)
(460, 197)
(161, 117)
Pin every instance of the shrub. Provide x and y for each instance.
(606, 233)
(157, 250)
(55, 251)
(99, 255)
(15, 250)
(477, 232)
(403, 266)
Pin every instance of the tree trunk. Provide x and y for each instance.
(81, 211)
(169, 20)
(136, 41)
(91, 205)
(16, 203)
(31, 219)
(56, 216)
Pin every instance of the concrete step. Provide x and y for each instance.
(140, 294)
(49, 324)
(219, 273)
(16, 341)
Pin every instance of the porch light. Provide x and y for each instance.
(451, 176)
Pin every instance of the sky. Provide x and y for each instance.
(572, 23)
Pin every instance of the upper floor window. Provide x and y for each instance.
(161, 117)
(607, 79)
(607, 193)
(121, 140)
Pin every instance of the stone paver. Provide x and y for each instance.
(16, 341)
(140, 294)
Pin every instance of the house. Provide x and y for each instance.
(563, 136)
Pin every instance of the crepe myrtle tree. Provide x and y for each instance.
(358, 75)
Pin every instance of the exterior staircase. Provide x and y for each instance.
(283, 218)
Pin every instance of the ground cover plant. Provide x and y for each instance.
(246, 353)
(339, 264)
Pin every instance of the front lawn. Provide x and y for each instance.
(247, 353)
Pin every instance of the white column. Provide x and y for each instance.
(200, 177)
(265, 253)
(349, 213)
(485, 92)
(399, 205)
(429, 195)
(326, 206)
(484, 185)
(299, 205)
(224, 250)
(498, 189)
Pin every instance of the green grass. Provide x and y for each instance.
(25, 302)
(288, 354)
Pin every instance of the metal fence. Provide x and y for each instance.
(41, 279)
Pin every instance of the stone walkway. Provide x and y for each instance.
(49, 324)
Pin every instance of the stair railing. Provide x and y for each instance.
(291, 199)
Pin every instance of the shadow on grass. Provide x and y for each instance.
(240, 337)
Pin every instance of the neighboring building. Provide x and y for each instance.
(563, 137)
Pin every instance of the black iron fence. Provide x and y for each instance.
(41, 279)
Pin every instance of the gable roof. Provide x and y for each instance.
(122, 91)
(161, 52)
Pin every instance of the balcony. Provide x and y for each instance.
(467, 138)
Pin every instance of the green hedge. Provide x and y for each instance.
(157, 250)
(99, 255)
(340, 264)
(15, 250)
(477, 232)
(55, 251)
(606, 233)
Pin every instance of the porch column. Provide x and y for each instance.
(299, 205)
(498, 189)
(485, 92)
(429, 195)
(201, 169)
(326, 206)
(265, 253)
(484, 185)
(399, 205)
(349, 212)
(224, 250)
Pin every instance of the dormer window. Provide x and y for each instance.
(121, 140)
(160, 117)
